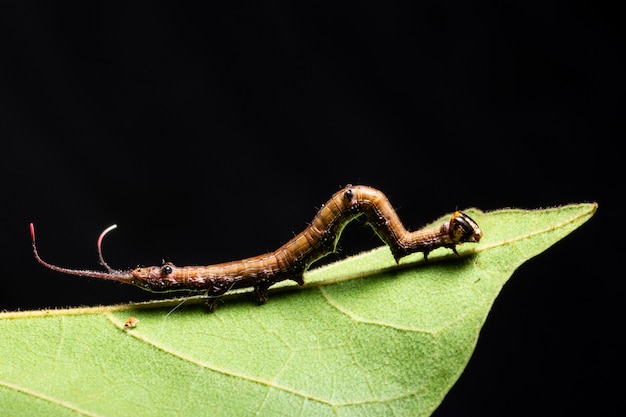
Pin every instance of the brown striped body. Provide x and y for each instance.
(294, 257)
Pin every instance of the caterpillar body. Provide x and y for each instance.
(291, 260)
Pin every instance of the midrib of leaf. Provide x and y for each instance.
(261, 381)
(41, 396)
(173, 352)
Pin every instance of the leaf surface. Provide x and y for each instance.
(363, 337)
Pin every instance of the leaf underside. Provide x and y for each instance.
(364, 336)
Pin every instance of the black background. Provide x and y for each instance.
(212, 134)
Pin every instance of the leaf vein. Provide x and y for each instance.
(48, 398)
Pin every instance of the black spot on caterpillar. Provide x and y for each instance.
(291, 260)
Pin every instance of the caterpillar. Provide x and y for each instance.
(291, 260)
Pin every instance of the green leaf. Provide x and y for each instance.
(363, 337)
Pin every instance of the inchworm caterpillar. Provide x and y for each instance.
(294, 257)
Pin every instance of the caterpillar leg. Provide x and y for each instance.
(212, 297)
(299, 279)
(261, 293)
(210, 304)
